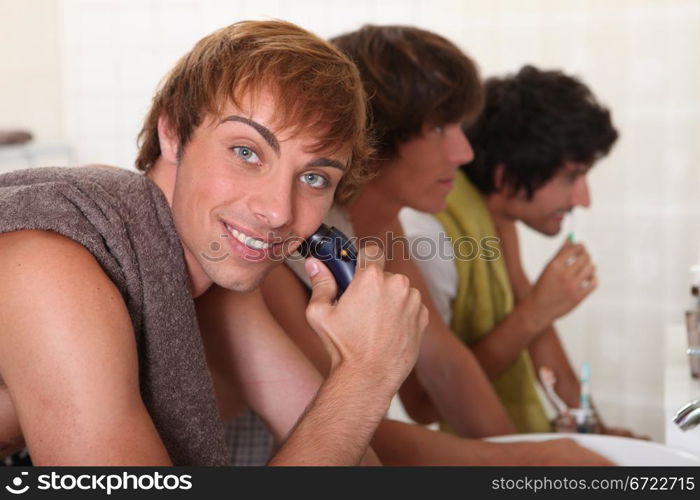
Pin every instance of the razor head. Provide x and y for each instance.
(335, 250)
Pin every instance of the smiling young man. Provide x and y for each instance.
(538, 136)
(104, 358)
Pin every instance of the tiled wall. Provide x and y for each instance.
(639, 56)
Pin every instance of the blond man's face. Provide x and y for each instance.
(247, 191)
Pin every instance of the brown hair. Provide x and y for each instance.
(412, 77)
(317, 88)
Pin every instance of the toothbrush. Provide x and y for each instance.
(571, 235)
(548, 381)
(583, 424)
(585, 386)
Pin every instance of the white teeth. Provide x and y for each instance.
(248, 241)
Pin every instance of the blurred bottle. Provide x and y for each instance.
(692, 320)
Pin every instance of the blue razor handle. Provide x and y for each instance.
(335, 250)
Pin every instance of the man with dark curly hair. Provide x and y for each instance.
(538, 136)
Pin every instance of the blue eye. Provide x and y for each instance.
(314, 180)
(246, 154)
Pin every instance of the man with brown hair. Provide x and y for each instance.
(243, 149)
(421, 88)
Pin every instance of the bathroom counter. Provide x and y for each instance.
(679, 388)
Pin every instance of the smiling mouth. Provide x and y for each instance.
(249, 241)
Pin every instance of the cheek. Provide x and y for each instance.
(310, 214)
(546, 201)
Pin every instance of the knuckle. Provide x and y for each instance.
(403, 281)
(424, 316)
(323, 282)
(371, 273)
(398, 282)
(414, 298)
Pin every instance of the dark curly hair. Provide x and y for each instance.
(532, 123)
(412, 77)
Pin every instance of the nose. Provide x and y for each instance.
(272, 204)
(459, 149)
(580, 195)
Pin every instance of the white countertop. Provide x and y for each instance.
(679, 389)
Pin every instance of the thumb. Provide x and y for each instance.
(323, 286)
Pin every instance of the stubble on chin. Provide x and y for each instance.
(243, 286)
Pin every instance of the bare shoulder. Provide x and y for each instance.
(52, 289)
(21, 250)
(40, 269)
(67, 349)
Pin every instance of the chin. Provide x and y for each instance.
(545, 229)
(432, 207)
(551, 231)
(239, 280)
(239, 285)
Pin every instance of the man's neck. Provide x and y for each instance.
(163, 176)
(372, 212)
(497, 205)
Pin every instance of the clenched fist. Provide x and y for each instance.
(565, 282)
(377, 324)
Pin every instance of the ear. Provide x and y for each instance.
(169, 144)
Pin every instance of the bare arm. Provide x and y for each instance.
(451, 375)
(69, 357)
(370, 355)
(11, 439)
(287, 297)
(404, 444)
(529, 326)
(254, 363)
(545, 348)
(446, 363)
(321, 422)
(409, 444)
(252, 359)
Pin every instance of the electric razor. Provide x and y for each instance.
(335, 250)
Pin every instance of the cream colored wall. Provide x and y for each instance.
(30, 68)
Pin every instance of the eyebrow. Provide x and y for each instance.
(580, 170)
(262, 130)
(326, 162)
(271, 139)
